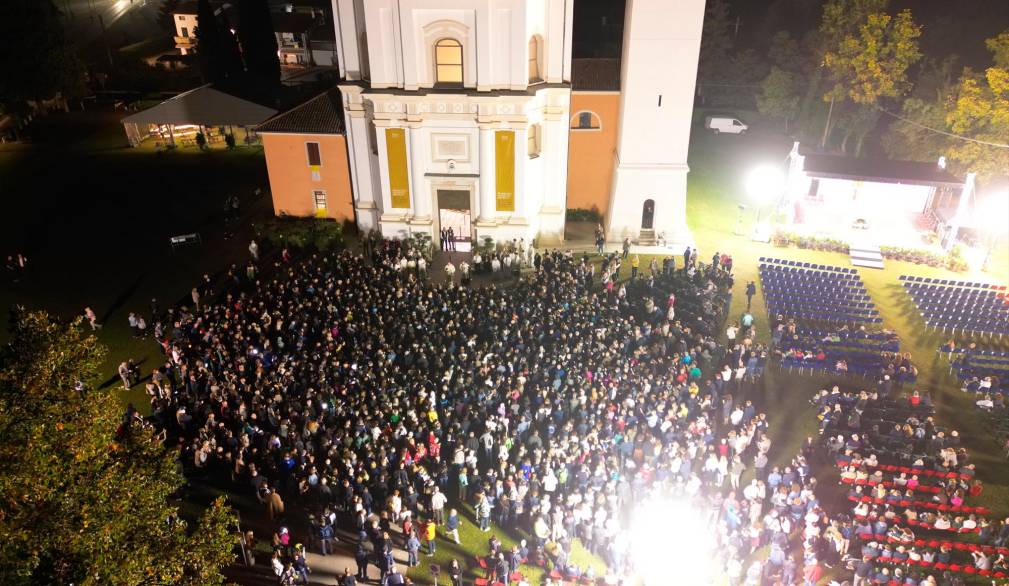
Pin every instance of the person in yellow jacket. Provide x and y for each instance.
(430, 532)
(635, 264)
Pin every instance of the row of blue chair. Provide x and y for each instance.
(812, 273)
(951, 282)
(805, 265)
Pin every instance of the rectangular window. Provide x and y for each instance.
(320, 199)
(314, 157)
(185, 33)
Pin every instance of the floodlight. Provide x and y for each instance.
(764, 183)
(671, 542)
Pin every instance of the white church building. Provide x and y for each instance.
(472, 114)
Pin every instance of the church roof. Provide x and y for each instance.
(595, 74)
(323, 114)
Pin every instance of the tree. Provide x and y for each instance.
(166, 14)
(980, 111)
(259, 42)
(866, 52)
(779, 95)
(216, 49)
(910, 139)
(37, 60)
(716, 41)
(83, 492)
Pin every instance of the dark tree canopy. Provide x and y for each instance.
(259, 43)
(83, 491)
(37, 62)
(216, 49)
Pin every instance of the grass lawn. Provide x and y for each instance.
(95, 217)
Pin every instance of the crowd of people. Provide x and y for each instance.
(352, 391)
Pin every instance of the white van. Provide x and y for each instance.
(720, 124)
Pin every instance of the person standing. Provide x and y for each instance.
(635, 264)
(92, 319)
(751, 290)
(361, 557)
(254, 251)
(195, 294)
(412, 548)
(626, 247)
(430, 533)
(438, 501)
(124, 374)
(686, 257)
(452, 525)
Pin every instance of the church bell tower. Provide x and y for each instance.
(661, 43)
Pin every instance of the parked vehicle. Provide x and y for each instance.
(728, 125)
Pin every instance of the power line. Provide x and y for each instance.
(950, 134)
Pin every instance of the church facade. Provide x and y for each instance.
(472, 115)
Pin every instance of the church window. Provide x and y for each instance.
(586, 120)
(448, 62)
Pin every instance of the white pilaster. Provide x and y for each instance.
(419, 193)
(488, 189)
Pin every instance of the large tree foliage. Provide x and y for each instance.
(872, 63)
(957, 118)
(865, 53)
(216, 49)
(779, 95)
(259, 42)
(83, 493)
(37, 62)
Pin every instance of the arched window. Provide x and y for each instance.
(534, 60)
(448, 62)
(586, 120)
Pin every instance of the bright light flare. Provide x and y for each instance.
(992, 213)
(765, 183)
(672, 535)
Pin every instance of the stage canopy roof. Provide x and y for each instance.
(879, 170)
(204, 106)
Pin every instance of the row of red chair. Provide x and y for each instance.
(922, 504)
(962, 568)
(961, 546)
(909, 470)
(926, 526)
(890, 484)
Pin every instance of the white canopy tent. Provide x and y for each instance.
(202, 107)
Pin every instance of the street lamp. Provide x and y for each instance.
(764, 184)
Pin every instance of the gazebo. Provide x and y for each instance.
(204, 109)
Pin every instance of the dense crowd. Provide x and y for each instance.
(353, 390)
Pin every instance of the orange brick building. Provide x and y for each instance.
(306, 158)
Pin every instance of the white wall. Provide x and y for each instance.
(494, 33)
(662, 40)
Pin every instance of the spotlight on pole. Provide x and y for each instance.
(764, 184)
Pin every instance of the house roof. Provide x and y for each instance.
(323, 114)
(878, 170)
(595, 74)
(205, 106)
(292, 22)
